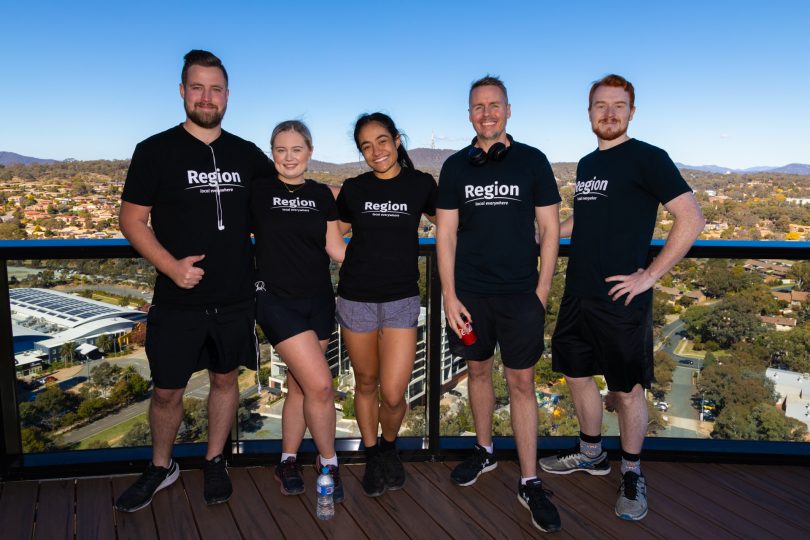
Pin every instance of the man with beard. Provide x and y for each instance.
(605, 320)
(192, 181)
(491, 194)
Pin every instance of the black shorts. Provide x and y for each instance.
(282, 318)
(514, 322)
(180, 341)
(595, 337)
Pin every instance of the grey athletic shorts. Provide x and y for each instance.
(370, 316)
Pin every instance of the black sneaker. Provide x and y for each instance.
(140, 494)
(374, 476)
(534, 497)
(217, 488)
(334, 471)
(393, 470)
(468, 471)
(288, 473)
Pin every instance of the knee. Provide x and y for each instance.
(392, 401)
(323, 393)
(223, 381)
(633, 396)
(521, 386)
(479, 371)
(365, 384)
(167, 398)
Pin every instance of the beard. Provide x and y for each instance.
(205, 118)
(609, 132)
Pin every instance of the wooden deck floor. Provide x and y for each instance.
(686, 501)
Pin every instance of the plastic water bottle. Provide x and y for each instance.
(326, 503)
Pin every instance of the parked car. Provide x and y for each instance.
(686, 362)
(662, 406)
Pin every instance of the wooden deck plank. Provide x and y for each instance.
(404, 510)
(685, 509)
(342, 526)
(214, 521)
(289, 512)
(704, 497)
(173, 515)
(462, 511)
(132, 525)
(17, 507)
(760, 487)
(499, 487)
(253, 518)
(687, 500)
(55, 510)
(94, 511)
(367, 511)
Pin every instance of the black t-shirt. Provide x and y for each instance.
(199, 199)
(290, 231)
(496, 252)
(616, 200)
(382, 258)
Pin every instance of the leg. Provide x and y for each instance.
(165, 415)
(362, 348)
(293, 425)
(304, 356)
(632, 408)
(223, 400)
(482, 399)
(523, 409)
(588, 403)
(397, 351)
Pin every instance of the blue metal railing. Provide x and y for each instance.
(433, 444)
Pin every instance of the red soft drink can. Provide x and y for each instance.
(468, 336)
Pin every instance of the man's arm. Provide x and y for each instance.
(548, 227)
(446, 238)
(567, 227)
(134, 222)
(688, 224)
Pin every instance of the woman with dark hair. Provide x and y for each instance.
(378, 293)
(295, 222)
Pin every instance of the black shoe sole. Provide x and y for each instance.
(211, 502)
(286, 492)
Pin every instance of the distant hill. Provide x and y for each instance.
(10, 158)
(792, 168)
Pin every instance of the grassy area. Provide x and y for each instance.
(686, 347)
(112, 435)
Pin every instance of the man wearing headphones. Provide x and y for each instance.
(491, 193)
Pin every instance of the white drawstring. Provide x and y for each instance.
(220, 223)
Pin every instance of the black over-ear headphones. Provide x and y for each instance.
(497, 152)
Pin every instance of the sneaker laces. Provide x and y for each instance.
(151, 474)
(479, 456)
(217, 470)
(288, 468)
(629, 485)
(568, 453)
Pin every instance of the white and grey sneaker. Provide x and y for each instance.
(573, 460)
(632, 502)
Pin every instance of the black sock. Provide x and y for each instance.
(593, 439)
(387, 446)
(372, 451)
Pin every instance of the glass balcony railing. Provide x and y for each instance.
(732, 339)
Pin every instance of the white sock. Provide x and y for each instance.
(329, 461)
(488, 447)
(285, 455)
(525, 479)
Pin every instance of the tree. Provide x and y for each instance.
(800, 272)
(105, 375)
(68, 350)
(138, 435)
(347, 404)
(664, 365)
(761, 421)
(731, 385)
(414, 423)
(34, 440)
(195, 420)
(731, 320)
(790, 349)
(104, 342)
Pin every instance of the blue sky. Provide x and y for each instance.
(725, 82)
